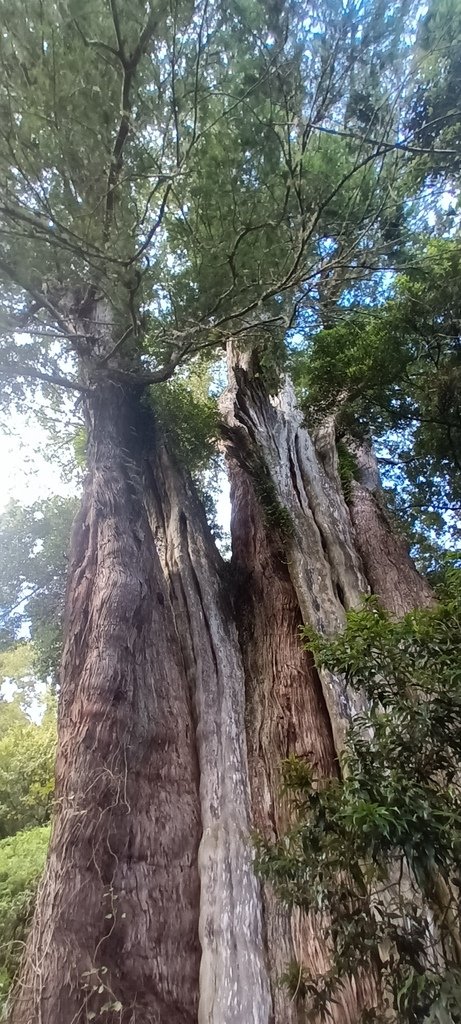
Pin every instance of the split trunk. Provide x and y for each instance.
(184, 685)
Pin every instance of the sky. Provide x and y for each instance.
(28, 476)
(25, 473)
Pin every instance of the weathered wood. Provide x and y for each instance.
(234, 986)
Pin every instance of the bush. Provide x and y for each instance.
(22, 858)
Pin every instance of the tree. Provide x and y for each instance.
(27, 754)
(22, 858)
(159, 203)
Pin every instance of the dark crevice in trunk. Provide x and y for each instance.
(295, 481)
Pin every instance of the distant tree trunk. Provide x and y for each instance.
(390, 571)
(115, 933)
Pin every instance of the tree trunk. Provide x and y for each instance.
(305, 504)
(294, 555)
(234, 987)
(115, 933)
(390, 571)
(183, 689)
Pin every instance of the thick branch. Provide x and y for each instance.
(129, 66)
(14, 370)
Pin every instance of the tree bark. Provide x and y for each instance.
(390, 571)
(115, 933)
(234, 985)
(183, 689)
(268, 440)
(294, 558)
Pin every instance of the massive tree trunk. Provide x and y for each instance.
(295, 559)
(184, 686)
(234, 987)
(115, 933)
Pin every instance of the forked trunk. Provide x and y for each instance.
(184, 686)
(115, 933)
(294, 554)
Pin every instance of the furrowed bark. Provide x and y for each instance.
(234, 986)
(285, 714)
(390, 571)
(296, 494)
(293, 551)
(115, 933)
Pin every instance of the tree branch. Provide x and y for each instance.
(387, 147)
(14, 370)
(129, 68)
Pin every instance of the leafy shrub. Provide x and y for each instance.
(27, 756)
(22, 858)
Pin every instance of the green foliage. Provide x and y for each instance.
(22, 859)
(79, 445)
(188, 419)
(359, 843)
(34, 541)
(275, 514)
(347, 468)
(27, 756)
(219, 198)
(395, 372)
(435, 118)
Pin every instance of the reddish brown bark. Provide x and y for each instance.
(116, 925)
(284, 565)
(285, 712)
(389, 569)
(286, 715)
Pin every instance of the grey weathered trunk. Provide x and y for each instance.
(234, 987)
(391, 573)
(268, 440)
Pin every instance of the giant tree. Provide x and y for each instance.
(175, 181)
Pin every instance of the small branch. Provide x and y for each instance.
(403, 147)
(117, 345)
(95, 43)
(39, 298)
(145, 245)
(129, 68)
(117, 30)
